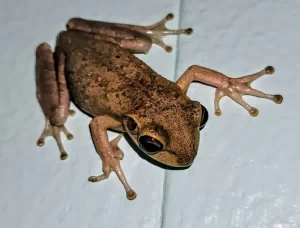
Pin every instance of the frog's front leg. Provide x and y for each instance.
(137, 39)
(109, 152)
(53, 96)
(234, 88)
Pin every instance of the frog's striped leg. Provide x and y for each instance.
(53, 96)
(234, 88)
(109, 152)
(135, 38)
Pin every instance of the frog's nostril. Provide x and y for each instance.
(204, 117)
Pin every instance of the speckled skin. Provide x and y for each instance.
(104, 78)
(93, 64)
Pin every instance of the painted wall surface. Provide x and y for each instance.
(246, 174)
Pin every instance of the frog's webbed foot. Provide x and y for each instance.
(110, 164)
(54, 131)
(235, 88)
(158, 31)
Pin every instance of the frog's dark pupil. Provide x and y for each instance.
(131, 124)
(150, 144)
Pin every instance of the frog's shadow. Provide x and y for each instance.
(144, 156)
(138, 150)
(149, 159)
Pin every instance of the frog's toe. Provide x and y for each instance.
(93, 179)
(253, 112)
(168, 49)
(278, 99)
(130, 194)
(63, 155)
(170, 16)
(70, 136)
(40, 142)
(218, 113)
(269, 70)
(188, 31)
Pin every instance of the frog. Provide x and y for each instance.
(95, 65)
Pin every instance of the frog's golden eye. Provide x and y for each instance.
(150, 145)
(204, 117)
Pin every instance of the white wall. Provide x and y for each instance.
(246, 173)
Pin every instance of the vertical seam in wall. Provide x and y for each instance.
(177, 40)
(165, 179)
(163, 199)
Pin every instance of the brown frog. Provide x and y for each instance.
(94, 66)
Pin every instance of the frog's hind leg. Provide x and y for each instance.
(53, 96)
(158, 31)
(135, 38)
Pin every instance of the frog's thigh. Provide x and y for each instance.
(125, 37)
(46, 84)
(136, 44)
(51, 88)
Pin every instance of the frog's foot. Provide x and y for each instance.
(113, 164)
(235, 88)
(52, 130)
(158, 31)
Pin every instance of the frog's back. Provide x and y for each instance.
(103, 77)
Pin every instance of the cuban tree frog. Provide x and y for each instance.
(94, 65)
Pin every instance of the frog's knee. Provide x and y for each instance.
(43, 48)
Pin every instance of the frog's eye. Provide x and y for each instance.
(131, 125)
(204, 117)
(150, 145)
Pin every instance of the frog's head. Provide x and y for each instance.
(169, 135)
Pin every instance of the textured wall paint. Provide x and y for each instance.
(246, 173)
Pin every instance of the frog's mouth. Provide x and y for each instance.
(163, 157)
